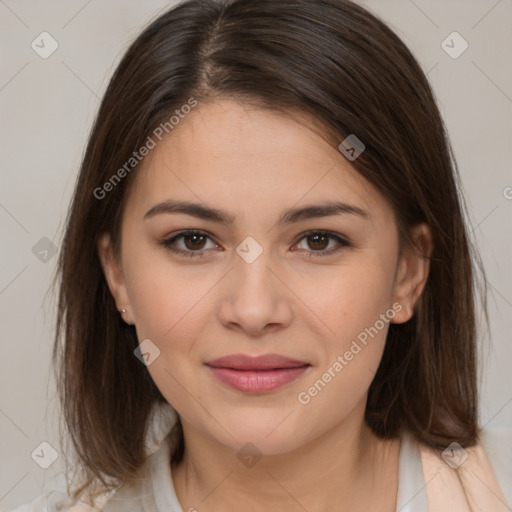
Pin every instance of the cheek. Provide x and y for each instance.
(168, 300)
(171, 305)
(347, 299)
(351, 358)
(355, 305)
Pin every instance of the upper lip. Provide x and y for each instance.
(263, 362)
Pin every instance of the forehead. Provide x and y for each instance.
(226, 153)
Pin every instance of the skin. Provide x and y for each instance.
(255, 163)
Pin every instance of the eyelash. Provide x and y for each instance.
(166, 243)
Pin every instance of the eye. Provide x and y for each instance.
(193, 243)
(320, 240)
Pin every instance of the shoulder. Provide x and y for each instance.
(479, 475)
(497, 443)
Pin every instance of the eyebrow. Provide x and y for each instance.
(290, 216)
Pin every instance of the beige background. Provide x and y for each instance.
(48, 105)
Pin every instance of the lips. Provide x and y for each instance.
(264, 362)
(259, 374)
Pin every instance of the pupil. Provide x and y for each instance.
(315, 238)
(194, 241)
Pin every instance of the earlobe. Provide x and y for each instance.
(412, 272)
(114, 276)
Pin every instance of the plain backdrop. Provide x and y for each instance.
(47, 108)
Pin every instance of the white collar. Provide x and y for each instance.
(160, 422)
(411, 487)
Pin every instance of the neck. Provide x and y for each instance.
(347, 465)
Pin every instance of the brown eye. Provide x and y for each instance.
(195, 241)
(317, 243)
(188, 243)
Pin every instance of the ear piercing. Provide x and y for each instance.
(123, 311)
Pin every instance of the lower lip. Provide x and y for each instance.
(257, 381)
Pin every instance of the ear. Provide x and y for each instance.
(114, 276)
(412, 272)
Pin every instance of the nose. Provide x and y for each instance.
(256, 298)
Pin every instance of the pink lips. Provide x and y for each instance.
(256, 374)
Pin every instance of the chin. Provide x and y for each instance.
(268, 438)
(256, 443)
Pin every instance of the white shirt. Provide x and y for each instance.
(155, 491)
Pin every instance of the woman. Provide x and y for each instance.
(266, 296)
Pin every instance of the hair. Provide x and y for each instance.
(338, 64)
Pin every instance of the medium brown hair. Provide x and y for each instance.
(331, 60)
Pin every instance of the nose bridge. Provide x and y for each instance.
(255, 296)
(253, 274)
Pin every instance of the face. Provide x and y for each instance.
(316, 289)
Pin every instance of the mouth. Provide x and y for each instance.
(256, 374)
